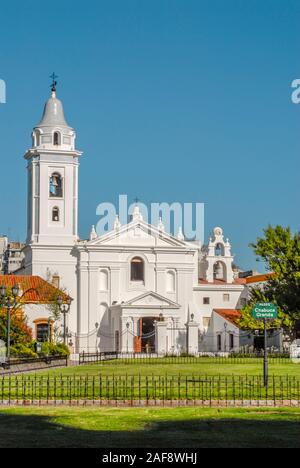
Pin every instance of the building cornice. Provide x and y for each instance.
(36, 152)
(219, 287)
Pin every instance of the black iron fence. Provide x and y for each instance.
(149, 390)
(31, 364)
(138, 358)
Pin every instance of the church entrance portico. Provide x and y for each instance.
(138, 320)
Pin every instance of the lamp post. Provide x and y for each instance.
(127, 344)
(266, 363)
(49, 330)
(6, 302)
(64, 309)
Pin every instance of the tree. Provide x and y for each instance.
(20, 333)
(279, 249)
(247, 322)
(53, 307)
(55, 316)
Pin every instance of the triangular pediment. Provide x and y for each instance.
(151, 300)
(139, 233)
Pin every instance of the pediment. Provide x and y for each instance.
(138, 234)
(152, 300)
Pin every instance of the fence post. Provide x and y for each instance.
(54, 390)
(9, 388)
(147, 391)
(100, 388)
(48, 388)
(132, 389)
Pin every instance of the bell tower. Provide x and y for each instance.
(218, 259)
(52, 166)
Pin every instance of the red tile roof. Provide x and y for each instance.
(259, 278)
(34, 289)
(249, 280)
(221, 282)
(232, 315)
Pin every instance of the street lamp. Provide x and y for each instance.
(64, 309)
(49, 330)
(6, 302)
(127, 344)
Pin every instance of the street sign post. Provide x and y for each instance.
(265, 311)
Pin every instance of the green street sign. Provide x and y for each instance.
(265, 310)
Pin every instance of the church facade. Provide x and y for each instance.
(134, 289)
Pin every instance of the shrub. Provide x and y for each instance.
(21, 350)
(51, 349)
(20, 332)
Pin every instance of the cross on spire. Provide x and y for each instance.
(136, 200)
(54, 82)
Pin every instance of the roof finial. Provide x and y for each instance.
(161, 226)
(54, 82)
(93, 234)
(117, 223)
(180, 235)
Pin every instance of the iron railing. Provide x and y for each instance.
(31, 364)
(139, 358)
(149, 390)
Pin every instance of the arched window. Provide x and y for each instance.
(219, 250)
(55, 185)
(103, 280)
(137, 269)
(220, 272)
(171, 281)
(55, 214)
(56, 138)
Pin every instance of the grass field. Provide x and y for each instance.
(147, 428)
(207, 366)
(205, 380)
(190, 427)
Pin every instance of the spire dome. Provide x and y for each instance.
(53, 115)
(53, 132)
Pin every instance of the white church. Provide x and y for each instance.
(134, 289)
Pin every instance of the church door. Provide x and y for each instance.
(138, 338)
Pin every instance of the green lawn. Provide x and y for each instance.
(146, 428)
(204, 380)
(204, 367)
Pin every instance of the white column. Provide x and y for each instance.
(192, 337)
(127, 333)
(176, 335)
(161, 338)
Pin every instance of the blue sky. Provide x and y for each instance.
(172, 101)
